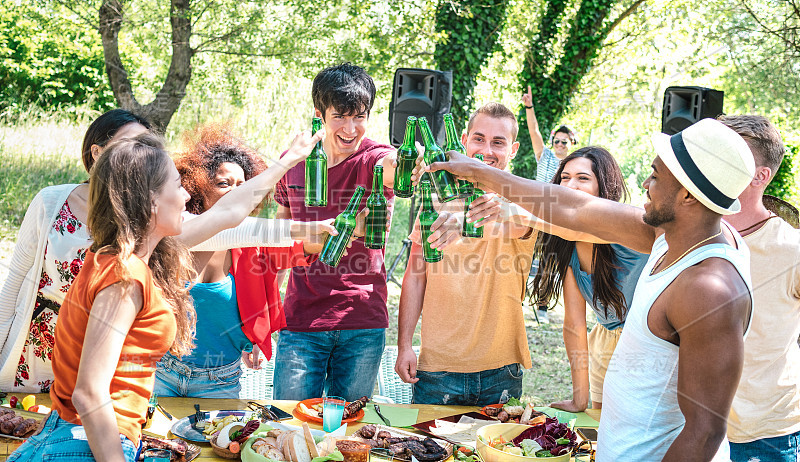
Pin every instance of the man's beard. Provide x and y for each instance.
(657, 217)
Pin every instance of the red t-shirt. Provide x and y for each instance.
(352, 295)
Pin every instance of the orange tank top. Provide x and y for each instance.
(150, 336)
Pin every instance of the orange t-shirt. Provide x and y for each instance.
(150, 336)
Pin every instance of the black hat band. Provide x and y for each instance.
(695, 175)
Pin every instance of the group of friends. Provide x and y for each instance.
(162, 283)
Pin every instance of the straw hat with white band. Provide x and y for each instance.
(711, 161)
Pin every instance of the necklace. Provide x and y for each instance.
(661, 260)
(754, 225)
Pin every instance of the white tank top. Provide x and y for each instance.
(641, 417)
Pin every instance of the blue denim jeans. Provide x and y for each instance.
(174, 378)
(340, 362)
(61, 440)
(468, 389)
(778, 449)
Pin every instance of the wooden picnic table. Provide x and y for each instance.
(182, 407)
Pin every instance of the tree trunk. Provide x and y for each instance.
(553, 90)
(471, 28)
(168, 99)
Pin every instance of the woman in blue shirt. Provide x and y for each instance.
(603, 275)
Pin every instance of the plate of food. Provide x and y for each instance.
(401, 445)
(310, 410)
(514, 411)
(214, 421)
(18, 424)
(459, 428)
(181, 450)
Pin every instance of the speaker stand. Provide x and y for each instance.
(406, 250)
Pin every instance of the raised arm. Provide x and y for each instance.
(708, 313)
(564, 207)
(112, 316)
(233, 207)
(537, 143)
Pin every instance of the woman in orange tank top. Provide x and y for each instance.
(128, 306)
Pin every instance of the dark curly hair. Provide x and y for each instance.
(554, 253)
(204, 149)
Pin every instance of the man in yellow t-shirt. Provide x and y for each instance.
(764, 423)
(474, 344)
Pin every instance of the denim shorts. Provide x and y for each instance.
(62, 440)
(175, 378)
(778, 449)
(468, 389)
(340, 362)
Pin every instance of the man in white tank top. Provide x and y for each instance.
(673, 376)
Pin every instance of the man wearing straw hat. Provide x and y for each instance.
(673, 376)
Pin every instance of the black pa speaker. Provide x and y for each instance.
(419, 93)
(684, 106)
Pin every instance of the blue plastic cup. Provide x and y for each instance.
(332, 411)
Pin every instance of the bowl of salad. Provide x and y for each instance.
(508, 442)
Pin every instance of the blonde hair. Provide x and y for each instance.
(496, 111)
(123, 184)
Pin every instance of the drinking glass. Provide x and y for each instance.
(332, 411)
(567, 418)
(157, 455)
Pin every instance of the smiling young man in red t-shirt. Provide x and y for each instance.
(336, 317)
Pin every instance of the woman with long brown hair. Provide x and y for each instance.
(603, 275)
(125, 309)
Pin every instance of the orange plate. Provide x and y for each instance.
(483, 409)
(317, 419)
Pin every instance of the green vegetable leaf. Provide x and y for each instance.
(335, 456)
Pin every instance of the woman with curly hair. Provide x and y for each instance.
(603, 275)
(236, 291)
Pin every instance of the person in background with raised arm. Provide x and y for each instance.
(562, 140)
(680, 357)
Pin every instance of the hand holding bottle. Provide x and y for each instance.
(301, 147)
(313, 234)
(461, 166)
(488, 208)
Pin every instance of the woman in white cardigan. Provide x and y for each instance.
(53, 239)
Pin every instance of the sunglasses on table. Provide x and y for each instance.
(564, 142)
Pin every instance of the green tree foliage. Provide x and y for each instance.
(783, 185)
(470, 30)
(560, 53)
(47, 60)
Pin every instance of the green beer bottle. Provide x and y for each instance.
(469, 229)
(317, 172)
(345, 224)
(427, 215)
(376, 220)
(443, 181)
(452, 143)
(406, 160)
